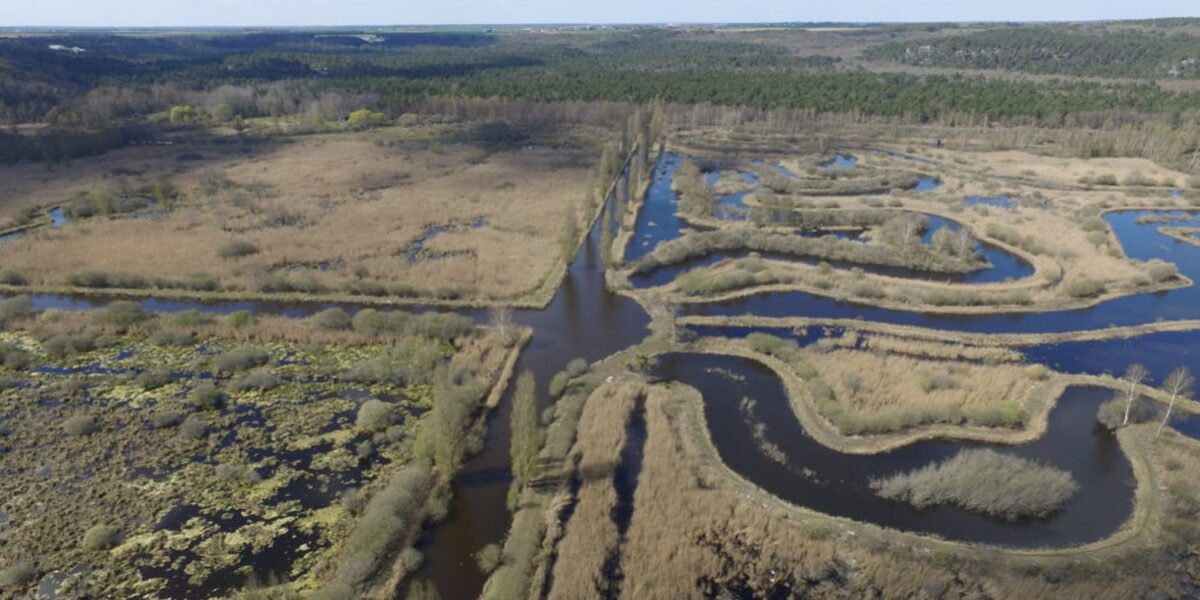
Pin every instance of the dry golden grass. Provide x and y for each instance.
(591, 534)
(696, 531)
(873, 382)
(930, 349)
(359, 206)
(1055, 226)
(1067, 171)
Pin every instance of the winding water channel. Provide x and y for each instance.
(585, 320)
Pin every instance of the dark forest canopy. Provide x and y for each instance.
(99, 80)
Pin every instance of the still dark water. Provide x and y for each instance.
(838, 484)
(585, 320)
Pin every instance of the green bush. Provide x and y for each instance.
(1006, 414)
(1111, 413)
(332, 319)
(154, 378)
(577, 368)
(121, 313)
(1083, 287)
(191, 318)
(335, 590)
(389, 516)
(172, 337)
(240, 319)
(236, 249)
(65, 345)
(15, 309)
(237, 473)
(100, 537)
(983, 481)
(10, 277)
(205, 396)
(260, 380)
(375, 415)
(786, 350)
(559, 383)
(488, 558)
(193, 427)
(1138, 179)
(240, 359)
(14, 357)
(18, 574)
(201, 282)
(1160, 270)
(80, 425)
(102, 279)
(166, 417)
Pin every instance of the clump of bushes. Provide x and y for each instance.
(105, 279)
(172, 337)
(100, 537)
(331, 319)
(240, 319)
(236, 249)
(66, 345)
(193, 427)
(1083, 287)
(154, 378)
(392, 513)
(205, 396)
(18, 574)
(14, 357)
(240, 359)
(1112, 412)
(412, 360)
(785, 350)
(1138, 179)
(432, 325)
(578, 367)
(121, 313)
(237, 473)
(80, 425)
(1161, 270)
(11, 277)
(983, 481)
(488, 558)
(261, 380)
(375, 415)
(280, 283)
(15, 309)
(166, 417)
(191, 318)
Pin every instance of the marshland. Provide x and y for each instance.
(515, 313)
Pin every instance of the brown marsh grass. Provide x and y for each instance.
(873, 382)
(697, 532)
(325, 209)
(591, 534)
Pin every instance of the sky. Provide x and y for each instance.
(151, 13)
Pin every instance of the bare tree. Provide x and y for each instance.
(672, 313)
(1134, 376)
(502, 320)
(963, 242)
(1179, 384)
(908, 233)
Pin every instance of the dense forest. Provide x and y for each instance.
(1057, 50)
(91, 87)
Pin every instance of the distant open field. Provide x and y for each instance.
(363, 213)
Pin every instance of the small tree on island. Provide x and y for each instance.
(1134, 376)
(1179, 384)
